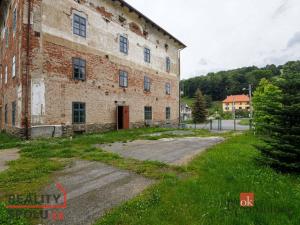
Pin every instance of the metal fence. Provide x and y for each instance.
(219, 125)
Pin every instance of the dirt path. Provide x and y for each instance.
(92, 189)
(7, 155)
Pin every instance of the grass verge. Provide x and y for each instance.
(212, 197)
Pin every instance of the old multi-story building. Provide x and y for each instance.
(84, 66)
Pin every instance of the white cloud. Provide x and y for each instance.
(228, 34)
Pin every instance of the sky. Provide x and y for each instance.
(228, 34)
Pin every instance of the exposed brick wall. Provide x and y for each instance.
(52, 88)
(12, 90)
(101, 88)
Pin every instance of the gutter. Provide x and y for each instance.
(27, 71)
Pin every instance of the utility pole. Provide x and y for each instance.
(250, 99)
(234, 119)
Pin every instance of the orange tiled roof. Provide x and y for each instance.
(237, 98)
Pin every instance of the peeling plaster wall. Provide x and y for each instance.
(103, 32)
(52, 88)
(37, 101)
(100, 49)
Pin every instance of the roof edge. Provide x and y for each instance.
(132, 9)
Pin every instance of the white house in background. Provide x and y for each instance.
(185, 112)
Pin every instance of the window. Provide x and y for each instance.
(5, 78)
(13, 67)
(148, 112)
(6, 37)
(15, 20)
(168, 88)
(147, 84)
(13, 114)
(168, 113)
(79, 69)
(168, 64)
(5, 114)
(124, 44)
(78, 112)
(123, 79)
(147, 55)
(79, 25)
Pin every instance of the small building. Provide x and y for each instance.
(239, 102)
(185, 112)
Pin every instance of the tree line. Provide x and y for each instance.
(217, 86)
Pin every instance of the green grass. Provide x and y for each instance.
(212, 196)
(8, 141)
(188, 101)
(204, 192)
(40, 158)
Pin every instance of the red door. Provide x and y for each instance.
(125, 117)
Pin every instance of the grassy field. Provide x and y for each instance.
(204, 192)
(212, 196)
(188, 101)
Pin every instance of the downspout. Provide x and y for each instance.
(179, 88)
(27, 71)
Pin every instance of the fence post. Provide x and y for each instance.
(250, 124)
(220, 124)
(210, 124)
(234, 121)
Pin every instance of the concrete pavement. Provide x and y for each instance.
(175, 151)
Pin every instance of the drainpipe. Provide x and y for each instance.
(179, 88)
(27, 72)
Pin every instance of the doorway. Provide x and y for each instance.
(122, 117)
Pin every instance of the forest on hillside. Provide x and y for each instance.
(217, 86)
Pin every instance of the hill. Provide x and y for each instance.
(221, 84)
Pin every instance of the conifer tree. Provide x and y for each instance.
(199, 108)
(277, 119)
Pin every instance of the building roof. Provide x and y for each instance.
(141, 15)
(236, 98)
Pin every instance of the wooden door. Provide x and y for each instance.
(125, 117)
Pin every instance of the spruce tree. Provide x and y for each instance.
(199, 108)
(277, 117)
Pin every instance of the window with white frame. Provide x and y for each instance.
(13, 72)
